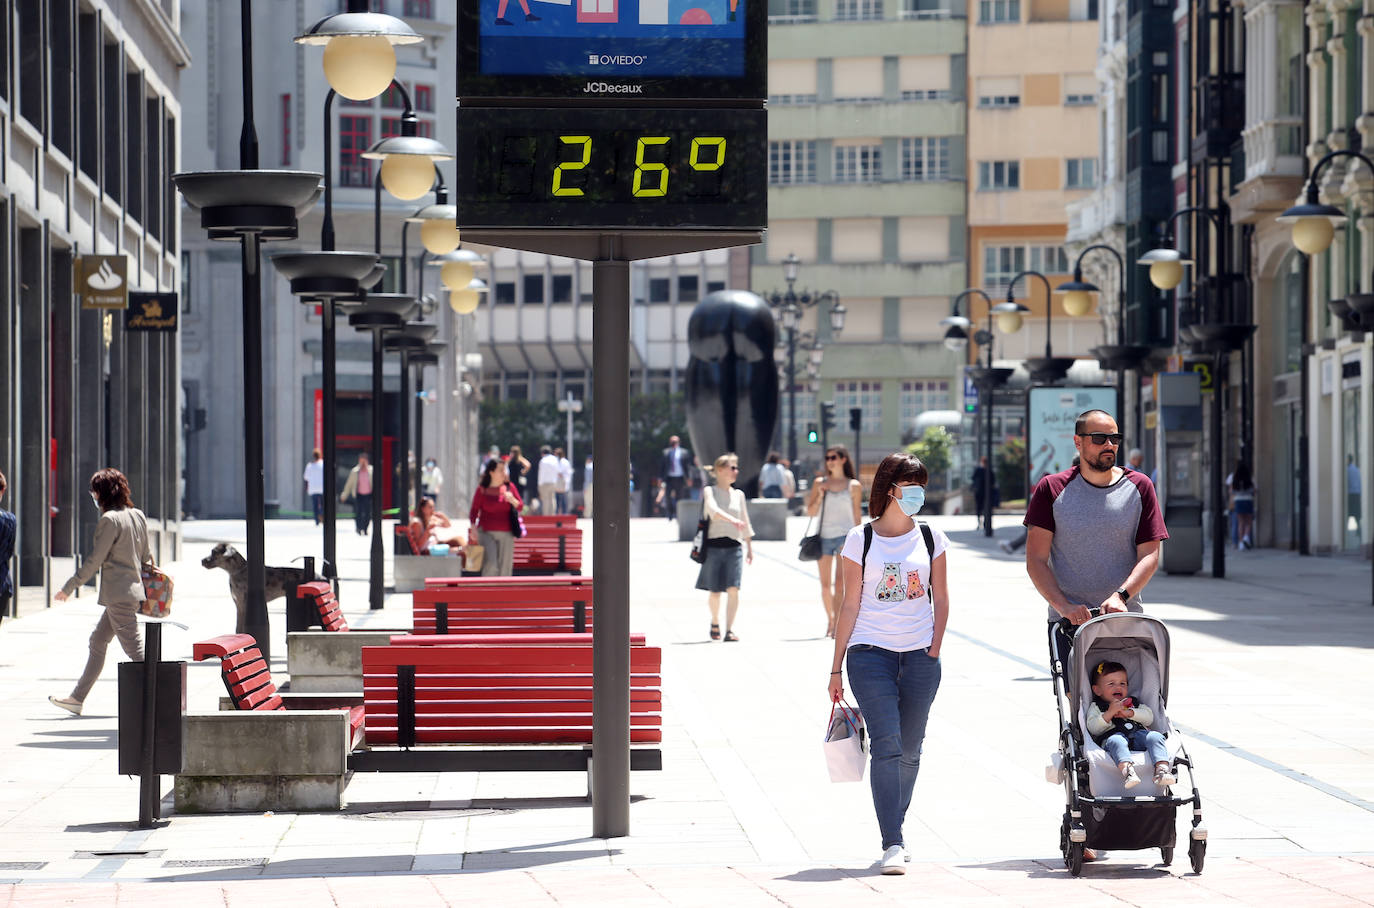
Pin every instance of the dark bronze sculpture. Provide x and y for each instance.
(732, 381)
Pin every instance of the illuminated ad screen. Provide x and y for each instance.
(613, 49)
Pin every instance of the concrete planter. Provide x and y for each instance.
(409, 572)
(329, 662)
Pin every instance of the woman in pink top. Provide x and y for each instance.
(494, 504)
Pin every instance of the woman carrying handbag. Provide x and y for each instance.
(837, 497)
(891, 625)
(493, 519)
(119, 552)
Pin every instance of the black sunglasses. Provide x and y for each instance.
(833, 457)
(1102, 438)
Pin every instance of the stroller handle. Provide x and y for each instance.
(1064, 624)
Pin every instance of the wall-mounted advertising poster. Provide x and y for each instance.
(1050, 417)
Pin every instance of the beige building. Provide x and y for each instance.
(1032, 150)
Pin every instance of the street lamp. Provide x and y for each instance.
(359, 54)
(986, 377)
(788, 306)
(1049, 368)
(1078, 301)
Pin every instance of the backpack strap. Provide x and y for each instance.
(868, 541)
(929, 537)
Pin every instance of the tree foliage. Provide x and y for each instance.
(935, 449)
(1011, 468)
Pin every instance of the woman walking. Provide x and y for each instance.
(119, 552)
(1242, 489)
(729, 545)
(495, 506)
(517, 467)
(891, 625)
(838, 498)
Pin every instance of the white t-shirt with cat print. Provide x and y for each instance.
(894, 611)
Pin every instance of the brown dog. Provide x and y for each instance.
(279, 579)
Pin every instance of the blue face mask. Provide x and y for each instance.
(912, 499)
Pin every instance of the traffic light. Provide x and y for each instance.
(827, 415)
(856, 416)
(811, 434)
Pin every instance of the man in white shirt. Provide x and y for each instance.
(563, 484)
(548, 480)
(314, 483)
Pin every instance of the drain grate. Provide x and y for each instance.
(126, 855)
(432, 814)
(23, 865)
(218, 862)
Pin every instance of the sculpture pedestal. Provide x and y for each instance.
(769, 518)
(688, 513)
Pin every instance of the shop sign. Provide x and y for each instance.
(103, 281)
(151, 312)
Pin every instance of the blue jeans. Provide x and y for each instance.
(894, 692)
(1120, 745)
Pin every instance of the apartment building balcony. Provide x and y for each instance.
(873, 37)
(848, 119)
(1273, 169)
(1092, 216)
(866, 200)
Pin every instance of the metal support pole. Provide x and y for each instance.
(418, 404)
(375, 591)
(403, 500)
(255, 609)
(1218, 470)
(329, 452)
(611, 546)
(149, 802)
(792, 396)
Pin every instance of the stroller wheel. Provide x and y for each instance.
(1074, 858)
(1197, 850)
(1166, 855)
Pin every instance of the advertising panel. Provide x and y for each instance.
(1050, 417)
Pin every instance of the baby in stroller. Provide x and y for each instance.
(1119, 725)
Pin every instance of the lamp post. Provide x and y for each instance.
(1314, 226)
(1120, 356)
(987, 377)
(1219, 337)
(788, 307)
(429, 356)
(1049, 368)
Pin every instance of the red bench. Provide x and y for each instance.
(248, 679)
(548, 550)
(320, 594)
(508, 583)
(510, 609)
(534, 522)
(432, 705)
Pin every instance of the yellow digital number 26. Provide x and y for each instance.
(638, 189)
(558, 188)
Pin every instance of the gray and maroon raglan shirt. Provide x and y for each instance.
(1096, 530)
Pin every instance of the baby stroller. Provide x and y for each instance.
(1099, 812)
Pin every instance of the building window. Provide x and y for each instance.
(791, 162)
(1079, 100)
(1080, 173)
(688, 288)
(858, 10)
(349, 102)
(505, 293)
(925, 9)
(858, 163)
(562, 288)
(926, 94)
(995, 11)
(424, 97)
(920, 396)
(996, 175)
(783, 12)
(286, 130)
(534, 288)
(355, 137)
(999, 100)
(925, 159)
(868, 397)
(660, 289)
(418, 9)
(789, 100)
(1000, 265)
(1049, 259)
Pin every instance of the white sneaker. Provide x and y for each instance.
(67, 703)
(893, 862)
(1164, 776)
(1132, 780)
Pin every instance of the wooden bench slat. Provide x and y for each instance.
(509, 736)
(387, 681)
(544, 660)
(555, 639)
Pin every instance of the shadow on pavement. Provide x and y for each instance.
(827, 874)
(92, 739)
(1054, 868)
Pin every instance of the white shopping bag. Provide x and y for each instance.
(846, 744)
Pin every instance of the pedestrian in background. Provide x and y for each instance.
(358, 489)
(672, 471)
(771, 476)
(837, 497)
(548, 480)
(980, 482)
(8, 528)
(518, 468)
(431, 480)
(495, 505)
(314, 484)
(729, 545)
(587, 487)
(562, 485)
(118, 552)
(890, 629)
(1242, 489)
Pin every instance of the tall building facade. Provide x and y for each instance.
(867, 120)
(90, 122)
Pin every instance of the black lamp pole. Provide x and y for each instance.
(329, 364)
